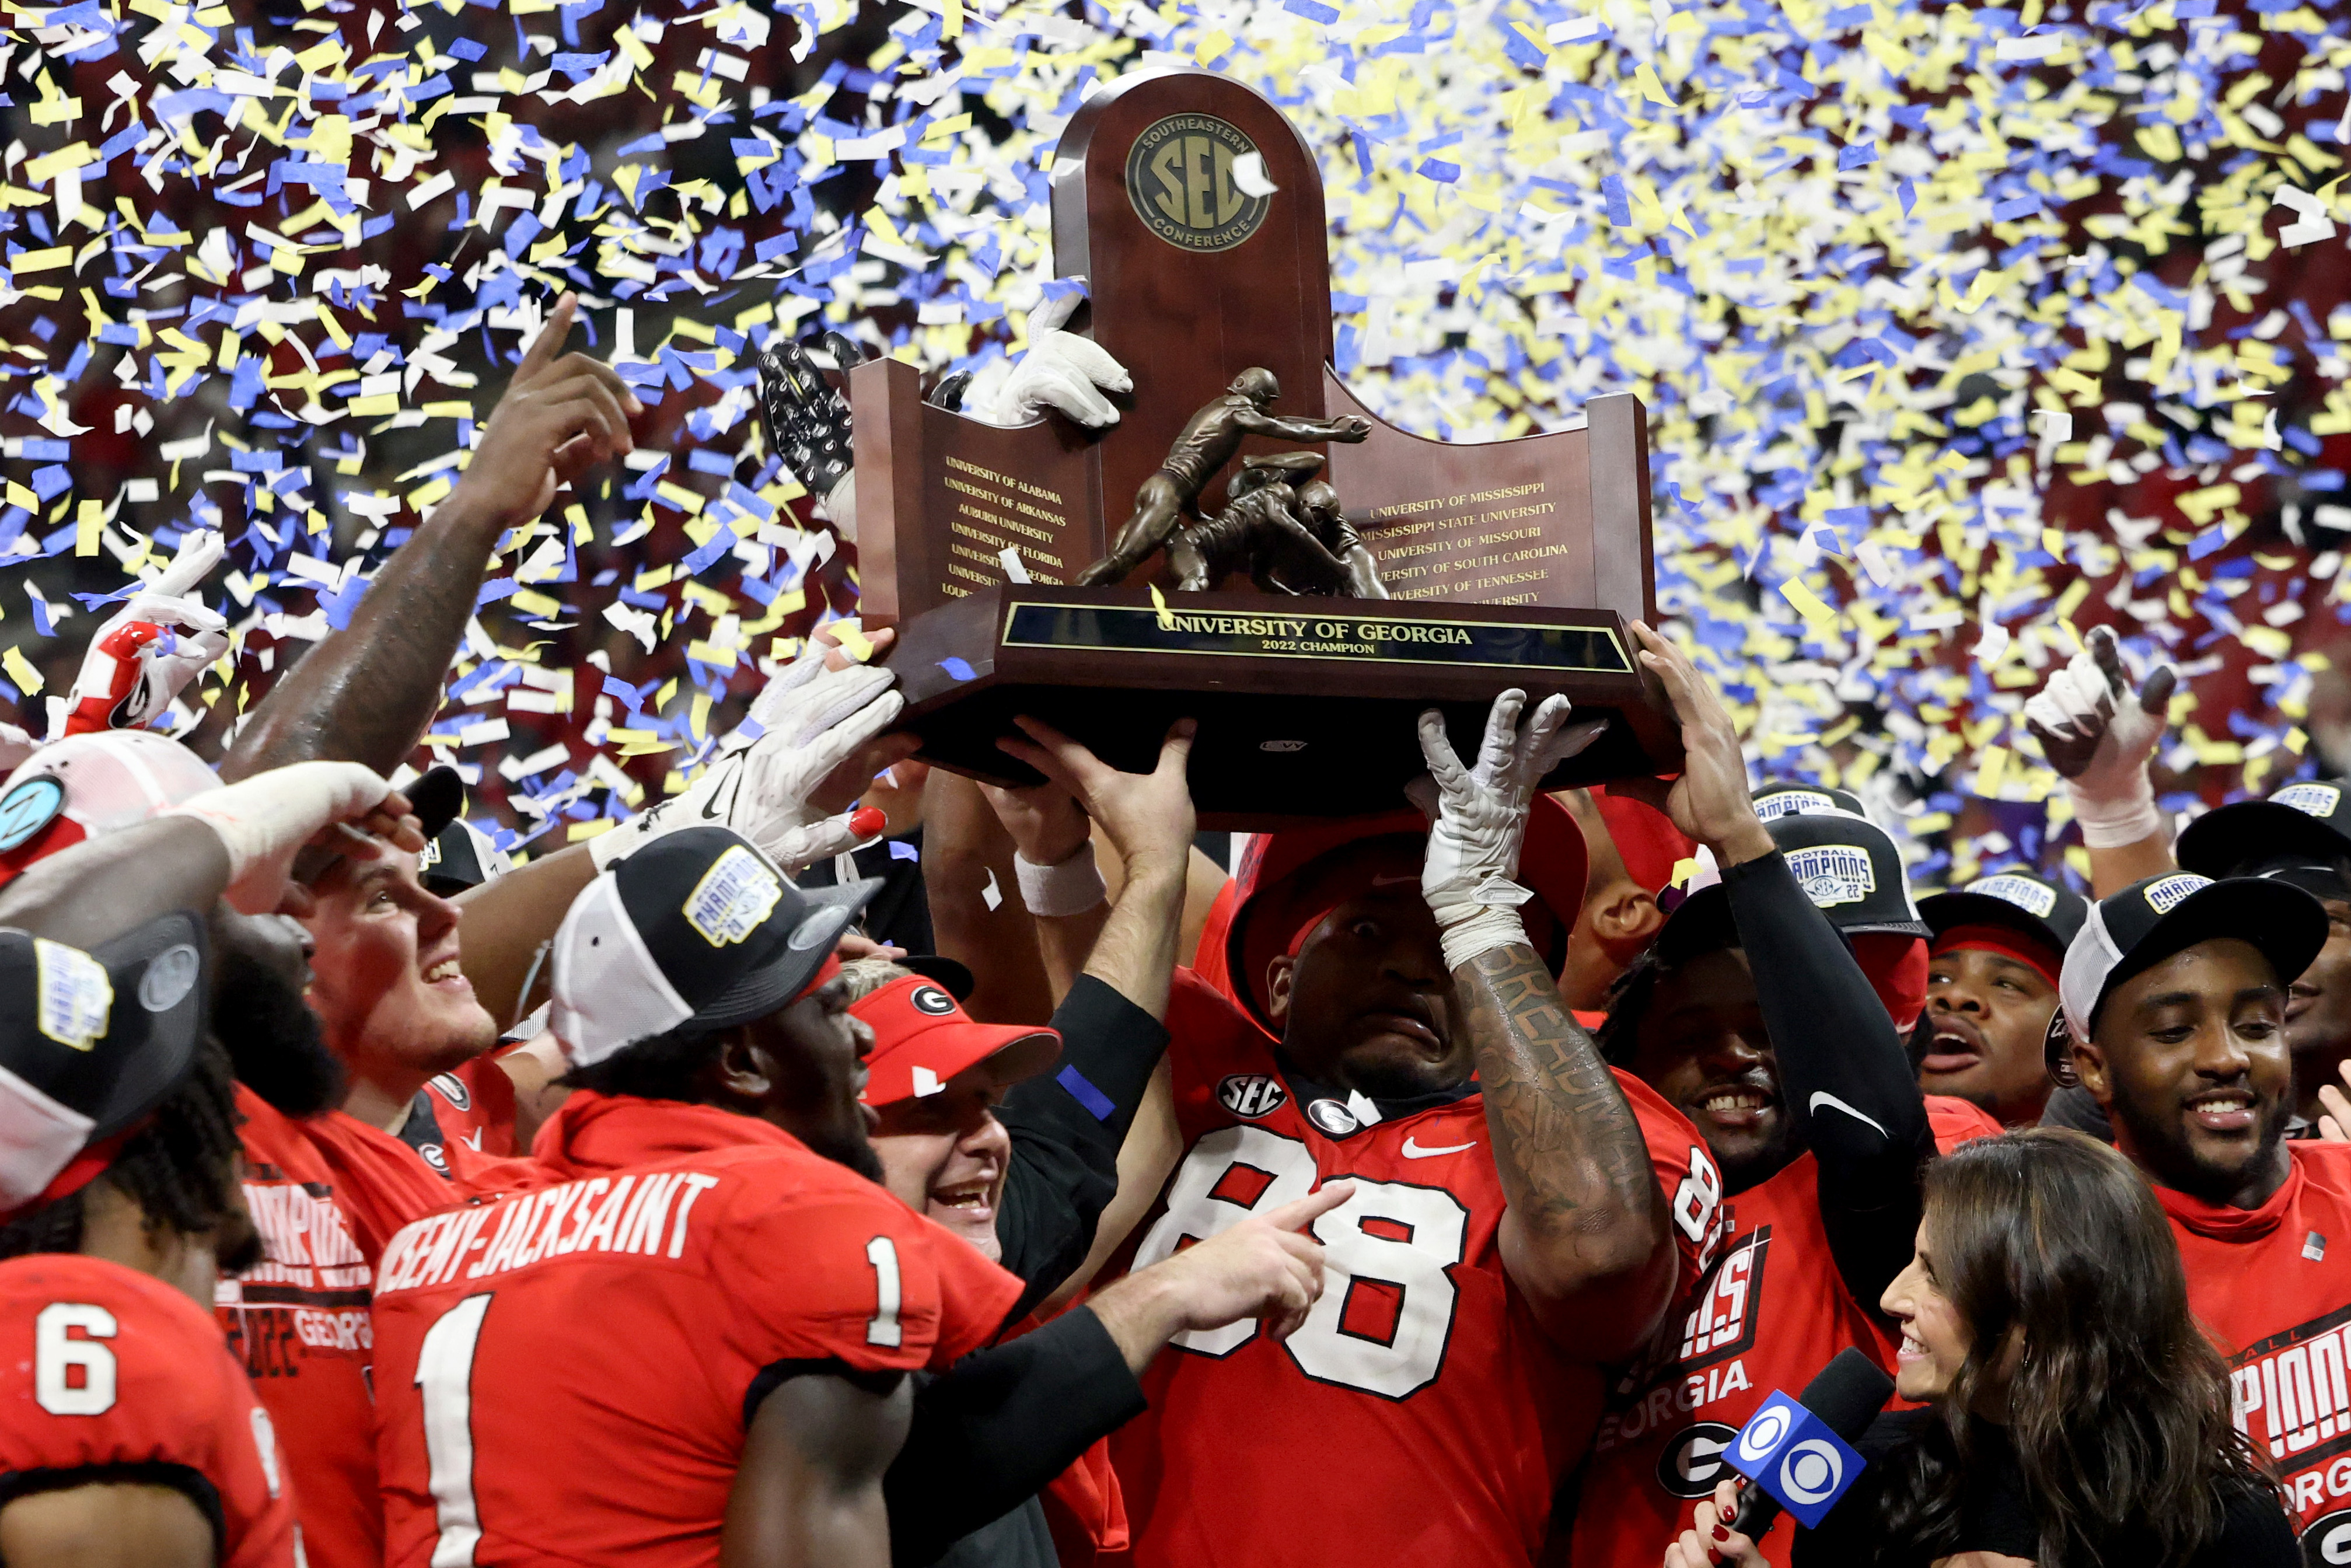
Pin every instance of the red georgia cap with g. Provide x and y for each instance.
(922, 1038)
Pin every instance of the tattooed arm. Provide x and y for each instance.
(1585, 1238)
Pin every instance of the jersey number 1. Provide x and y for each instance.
(1386, 1309)
(444, 1372)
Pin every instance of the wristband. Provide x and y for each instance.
(1071, 887)
(1487, 921)
(2110, 824)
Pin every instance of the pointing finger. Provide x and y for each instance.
(550, 341)
(1306, 1210)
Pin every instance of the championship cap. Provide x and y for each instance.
(87, 786)
(1290, 880)
(1774, 801)
(459, 857)
(695, 927)
(2302, 825)
(922, 1038)
(1846, 865)
(2136, 929)
(2019, 901)
(90, 1043)
(1850, 870)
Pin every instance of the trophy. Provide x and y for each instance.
(1248, 546)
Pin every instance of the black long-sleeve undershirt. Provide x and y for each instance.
(1064, 1168)
(990, 1433)
(1847, 1081)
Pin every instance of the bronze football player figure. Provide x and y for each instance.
(1287, 533)
(1207, 442)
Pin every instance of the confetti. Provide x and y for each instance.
(1944, 319)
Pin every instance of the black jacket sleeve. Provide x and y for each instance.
(1848, 1083)
(1067, 1125)
(988, 1434)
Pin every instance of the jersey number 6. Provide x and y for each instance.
(1386, 1309)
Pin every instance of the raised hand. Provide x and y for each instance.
(1479, 820)
(786, 779)
(1711, 802)
(265, 819)
(2098, 736)
(807, 422)
(155, 644)
(560, 417)
(1147, 817)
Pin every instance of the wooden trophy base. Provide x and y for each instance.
(1308, 708)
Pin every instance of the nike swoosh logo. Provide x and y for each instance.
(1823, 1097)
(1391, 881)
(1413, 1151)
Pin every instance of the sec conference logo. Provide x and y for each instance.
(1179, 175)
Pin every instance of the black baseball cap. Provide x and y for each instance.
(1846, 864)
(697, 927)
(2302, 825)
(1776, 801)
(437, 795)
(2134, 930)
(90, 1042)
(2048, 912)
(459, 857)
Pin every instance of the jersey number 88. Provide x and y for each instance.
(1391, 1239)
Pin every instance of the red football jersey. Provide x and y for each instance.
(2272, 1285)
(1419, 1415)
(1771, 1315)
(474, 1106)
(1773, 1312)
(105, 1365)
(326, 1192)
(566, 1372)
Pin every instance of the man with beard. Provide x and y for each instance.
(2174, 1002)
(1992, 989)
(1754, 1018)
(137, 1437)
(537, 1401)
(2301, 835)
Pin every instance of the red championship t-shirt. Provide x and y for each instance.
(2273, 1284)
(1419, 1415)
(566, 1372)
(103, 1367)
(1773, 1313)
(326, 1192)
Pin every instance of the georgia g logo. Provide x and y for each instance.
(932, 1001)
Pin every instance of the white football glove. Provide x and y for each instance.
(265, 819)
(1479, 819)
(2098, 736)
(1059, 372)
(809, 722)
(156, 643)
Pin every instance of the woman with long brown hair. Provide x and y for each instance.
(2077, 1417)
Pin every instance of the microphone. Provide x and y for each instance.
(1798, 1457)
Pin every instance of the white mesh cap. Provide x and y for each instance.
(2148, 921)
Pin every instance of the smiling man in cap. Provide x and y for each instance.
(2302, 835)
(1992, 989)
(2174, 1008)
(749, 1400)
